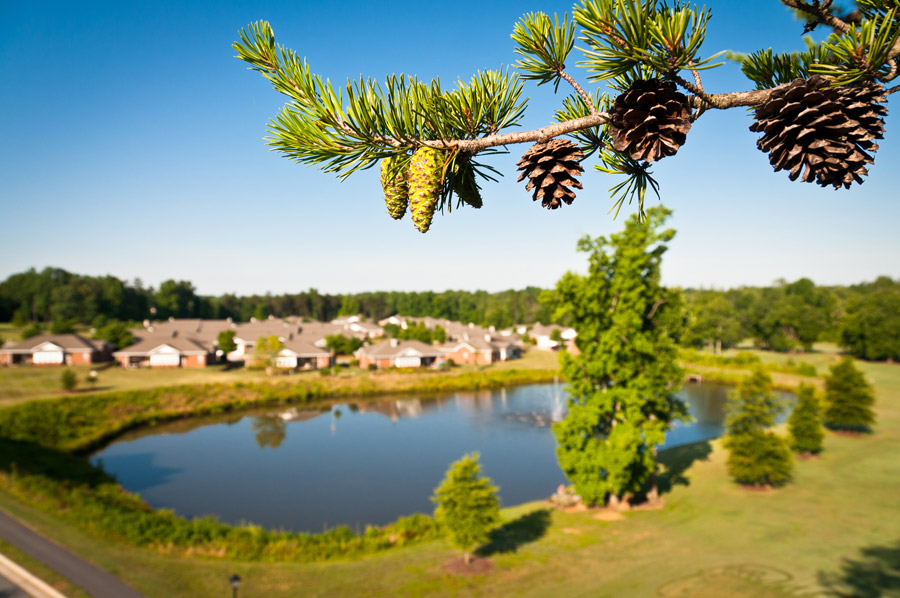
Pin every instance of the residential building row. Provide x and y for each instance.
(193, 343)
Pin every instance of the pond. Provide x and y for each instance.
(360, 463)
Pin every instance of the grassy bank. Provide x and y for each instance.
(25, 383)
(833, 528)
(79, 423)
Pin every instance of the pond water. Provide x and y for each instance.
(360, 463)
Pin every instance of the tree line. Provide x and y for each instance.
(787, 316)
(55, 295)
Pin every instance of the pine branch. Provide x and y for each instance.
(581, 92)
(721, 101)
(820, 14)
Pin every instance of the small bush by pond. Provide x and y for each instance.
(40, 441)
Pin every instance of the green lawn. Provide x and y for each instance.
(22, 383)
(835, 527)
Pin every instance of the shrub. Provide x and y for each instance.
(68, 380)
(756, 456)
(805, 426)
(849, 398)
(467, 505)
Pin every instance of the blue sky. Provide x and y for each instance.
(131, 143)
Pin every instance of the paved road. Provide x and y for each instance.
(93, 580)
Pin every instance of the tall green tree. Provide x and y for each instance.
(266, 350)
(116, 333)
(870, 329)
(713, 321)
(805, 422)
(341, 345)
(31, 330)
(848, 398)
(62, 326)
(225, 342)
(756, 456)
(177, 299)
(467, 505)
(622, 381)
(349, 306)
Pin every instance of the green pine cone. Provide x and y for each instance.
(396, 190)
(425, 180)
(464, 185)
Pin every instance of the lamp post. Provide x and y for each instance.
(235, 581)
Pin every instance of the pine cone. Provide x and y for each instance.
(425, 178)
(552, 168)
(396, 190)
(650, 120)
(823, 132)
(463, 183)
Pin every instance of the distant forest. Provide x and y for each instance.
(787, 316)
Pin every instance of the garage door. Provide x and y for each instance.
(165, 359)
(409, 362)
(48, 357)
(286, 361)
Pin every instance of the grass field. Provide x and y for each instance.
(836, 528)
(22, 383)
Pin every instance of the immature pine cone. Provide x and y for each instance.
(551, 168)
(396, 191)
(650, 120)
(464, 184)
(823, 132)
(425, 180)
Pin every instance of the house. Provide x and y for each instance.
(395, 353)
(481, 347)
(247, 334)
(55, 349)
(169, 350)
(299, 353)
(542, 336)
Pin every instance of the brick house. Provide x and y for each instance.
(167, 351)
(541, 335)
(55, 349)
(395, 353)
(299, 353)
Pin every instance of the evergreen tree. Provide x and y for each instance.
(756, 456)
(848, 398)
(467, 505)
(622, 382)
(805, 424)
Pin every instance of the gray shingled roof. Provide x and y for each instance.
(303, 348)
(386, 349)
(69, 342)
(183, 344)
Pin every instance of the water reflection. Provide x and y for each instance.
(269, 430)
